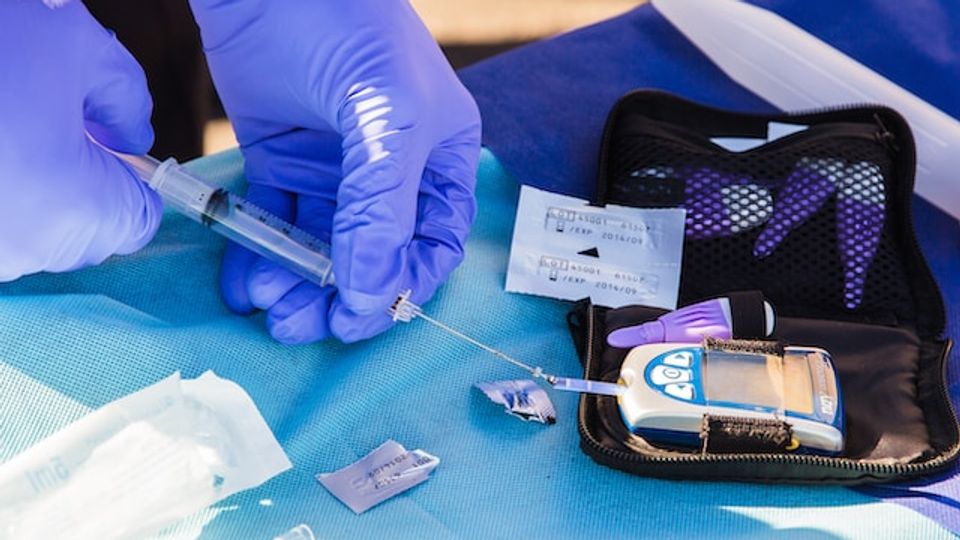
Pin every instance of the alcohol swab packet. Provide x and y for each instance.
(140, 463)
(387, 471)
(522, 398)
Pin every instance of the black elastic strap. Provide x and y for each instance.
(748, 314)
(577, 321)
(733, 435)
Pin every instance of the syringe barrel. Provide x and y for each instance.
(236, 219)
(186, 193)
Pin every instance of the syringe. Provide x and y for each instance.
(293, 248)
(237, 219)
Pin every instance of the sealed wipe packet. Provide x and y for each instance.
(140, 463)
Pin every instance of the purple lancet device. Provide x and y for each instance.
(688, 324)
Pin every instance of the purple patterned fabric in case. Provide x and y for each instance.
(721, 204)
(804, 192)
(861, 201)
(718, 204)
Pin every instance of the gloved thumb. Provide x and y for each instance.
(117, 107)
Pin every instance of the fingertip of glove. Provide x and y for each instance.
(235, 303)
(233, 279)
(145, 209)
(350, 327)
(142, 139)
(766, 243)
(302, 316)
(268, 283)
(136, 140)
(118, 108)
(234, 293)
(365, 304)
(286, 334)
(292, 334)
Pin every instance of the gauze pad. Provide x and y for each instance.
(140, 463)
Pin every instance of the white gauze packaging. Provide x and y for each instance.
(140, 463)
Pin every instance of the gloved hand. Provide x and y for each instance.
(65, 202)
(353, 126)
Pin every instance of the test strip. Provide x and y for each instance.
(588, 387)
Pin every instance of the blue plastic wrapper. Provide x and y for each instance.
(522, 398)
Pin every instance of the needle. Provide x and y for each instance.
(404, 310)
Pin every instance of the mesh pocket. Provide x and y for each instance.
(801, 219)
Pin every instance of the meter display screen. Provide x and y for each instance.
(760, 380)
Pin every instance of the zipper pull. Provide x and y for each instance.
(884, 135)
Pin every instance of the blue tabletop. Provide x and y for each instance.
(73, 342)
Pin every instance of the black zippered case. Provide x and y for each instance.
(820, 222)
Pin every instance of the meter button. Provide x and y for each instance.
(682, 391)
(679, 359)
(662, 375)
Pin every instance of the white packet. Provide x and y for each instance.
(140, 463)
(387, 471)
(564, 248)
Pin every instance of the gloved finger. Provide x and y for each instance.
(376, 204)
(116, 111)
(117, 106)
(123, 211)
(422, 276)
(302, 315)
(234, 268)
(307, 163)
(297, 310)
(861, 200)
(315, 215)
(304, 161)
(446, 211)
(237, 261)
(268, 282)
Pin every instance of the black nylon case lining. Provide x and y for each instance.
(888, 347)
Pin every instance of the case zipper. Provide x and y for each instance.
(905, 193)
(860, 130)
(886, 470)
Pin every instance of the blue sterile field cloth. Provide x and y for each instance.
(76, 341)
(544, 107)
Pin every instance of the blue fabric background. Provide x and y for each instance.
(82, 339)
(76, 341)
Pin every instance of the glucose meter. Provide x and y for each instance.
(672, 386)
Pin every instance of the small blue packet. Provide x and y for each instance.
(522, 398)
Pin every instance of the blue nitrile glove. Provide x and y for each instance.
(66, 203)
(353, 126)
